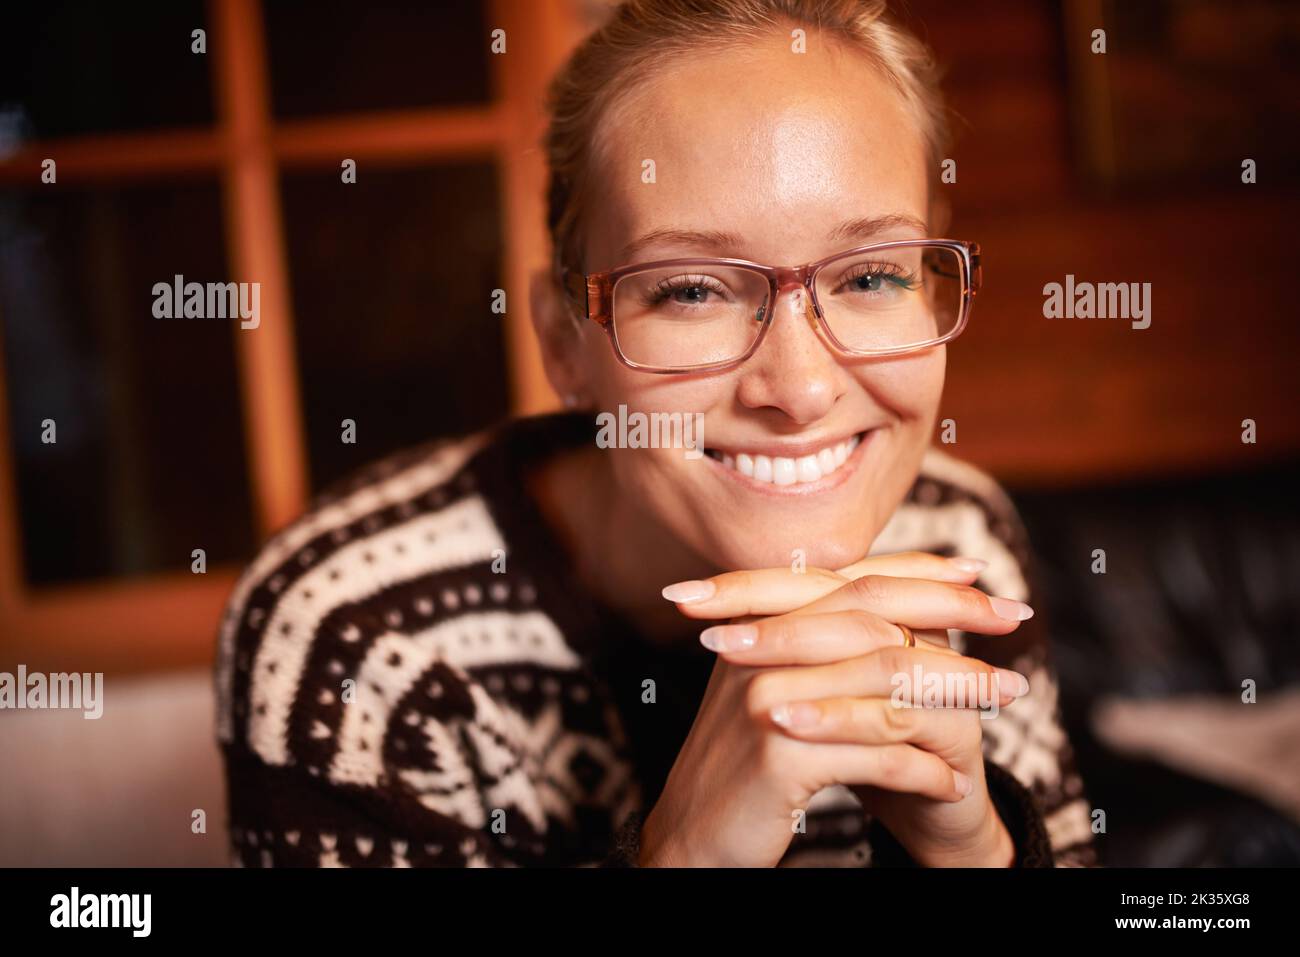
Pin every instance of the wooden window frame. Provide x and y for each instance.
(170, 620)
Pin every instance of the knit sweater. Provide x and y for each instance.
(411, 675)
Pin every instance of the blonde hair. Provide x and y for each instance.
(644, 36)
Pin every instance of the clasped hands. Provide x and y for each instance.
(815, 664)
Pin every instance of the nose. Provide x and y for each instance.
(794, 370)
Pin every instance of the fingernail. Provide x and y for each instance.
(729, 637)
(969, 564)
(690, 591)
(963, 784)
(799, 715)
(1011, 609)
(1012, 682)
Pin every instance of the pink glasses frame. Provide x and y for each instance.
(594, 295)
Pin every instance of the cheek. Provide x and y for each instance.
(655, 474)
(909, 387)
(613, 384)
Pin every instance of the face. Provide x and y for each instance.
(778, 149)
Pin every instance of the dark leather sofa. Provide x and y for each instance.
(1202, 589)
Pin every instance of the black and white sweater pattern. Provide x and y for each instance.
(409, 675)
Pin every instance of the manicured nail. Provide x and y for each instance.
(729, 637)
(969, 564)
(1012, 682)
(963, 784)
(1010, 608)
(799, 715)
(690, 591)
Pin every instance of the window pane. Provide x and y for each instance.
(392, 284)
(335, 56)
(72, 68)
(148, 461)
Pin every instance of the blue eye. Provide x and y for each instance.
(685, 291)
(880, 278)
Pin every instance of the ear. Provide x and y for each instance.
(559, 333)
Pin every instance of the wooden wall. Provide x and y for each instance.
(1045, 402)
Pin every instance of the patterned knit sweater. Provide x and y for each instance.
(410, 675)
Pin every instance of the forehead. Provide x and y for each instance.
(775, 146)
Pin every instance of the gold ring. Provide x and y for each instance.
(909, 639)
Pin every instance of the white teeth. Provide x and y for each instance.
(809, 470)
(783, 472)
(788, 471)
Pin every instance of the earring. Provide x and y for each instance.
(570, 400)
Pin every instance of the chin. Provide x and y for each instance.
(731, 552)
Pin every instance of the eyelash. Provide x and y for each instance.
(898, 275)
(666, 287)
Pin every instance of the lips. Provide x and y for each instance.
(783, 470)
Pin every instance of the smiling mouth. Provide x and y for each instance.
(781, 471)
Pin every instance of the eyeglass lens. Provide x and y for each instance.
(883, 299)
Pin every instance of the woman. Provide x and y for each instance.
(493, 651)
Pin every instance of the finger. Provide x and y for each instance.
(775, 591)
(876, 721)
(762, 591)
(938, 638)
(917, 676)
(893, 767)
(919, 603)
(916, 565)
(809, 639)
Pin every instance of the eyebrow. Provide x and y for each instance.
(863, 227)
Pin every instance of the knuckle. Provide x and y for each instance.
(864, 623)
(972, 600)
(740, 581)
(899, 721)
(836, 715)
(776, 634)
(870, 589)
(890, 764)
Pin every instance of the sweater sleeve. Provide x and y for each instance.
(1026, 746)
(286, 817)
(438, 766)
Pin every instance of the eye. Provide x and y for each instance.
(687, 291)
(878, 278)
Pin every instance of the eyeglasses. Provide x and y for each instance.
(706, 315)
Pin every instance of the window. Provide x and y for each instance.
(225, 166)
